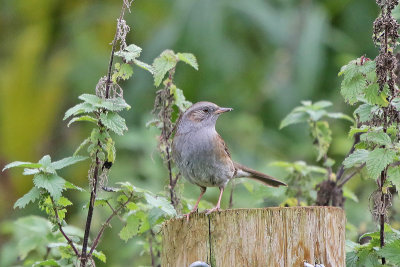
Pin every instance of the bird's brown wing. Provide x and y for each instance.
(243, 171)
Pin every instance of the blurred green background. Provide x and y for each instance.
(259, 57)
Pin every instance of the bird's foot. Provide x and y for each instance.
(187, 215)
(213, 210)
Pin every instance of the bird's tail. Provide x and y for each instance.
(243, 171)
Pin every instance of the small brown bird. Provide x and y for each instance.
(202, 156)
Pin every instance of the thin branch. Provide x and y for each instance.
(115, 212)
(62, 231)
(340, 171)
(348, 177)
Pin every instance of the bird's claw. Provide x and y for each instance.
(187, 215)
(212, 210)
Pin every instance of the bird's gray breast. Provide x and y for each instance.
(197, 158)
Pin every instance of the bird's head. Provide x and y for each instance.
(199, 115)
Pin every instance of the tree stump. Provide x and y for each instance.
(257, 237)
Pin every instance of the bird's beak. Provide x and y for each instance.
(222, 110)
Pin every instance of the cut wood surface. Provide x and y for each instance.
(257, 237)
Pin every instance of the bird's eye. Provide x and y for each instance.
(206, 110)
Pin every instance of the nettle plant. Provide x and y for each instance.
(53, 242)
(370, 84)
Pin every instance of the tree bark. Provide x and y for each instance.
(257, 237)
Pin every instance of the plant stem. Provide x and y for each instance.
(115, 212)
(90, 212)
(62, 231)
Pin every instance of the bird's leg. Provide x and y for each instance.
(221, 189)
(203, 190)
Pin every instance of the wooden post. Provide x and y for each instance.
(257, 237)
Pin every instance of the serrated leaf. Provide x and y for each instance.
(64, 202)
(22, 164)
(365, 112)
(379, 138)
(52, 183)
(378, 159)
(100, 256)
(374, 96)
(391, 252)
(351, 89)
(82, 118)
(188, 58)
(144, 66)
(161, 203)
(123, 71)
(129, 53)
(114, 122)
(293, 118)
(112, 104)
(162, 64)
(359, 156)
(351, 259)
(31, 196)
(79, 109)
(110, 149)
(131, 228)
(69, 185)
(62, 163)
(354, 130)
(393, 175)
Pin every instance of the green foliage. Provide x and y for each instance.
(113, 122)
(311, 112)
(369, 254)
(167, 61)
(123, 72)
(358, 157)
(130, 54)
(378, 160)
(302, 179)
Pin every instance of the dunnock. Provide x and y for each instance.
(202, 156)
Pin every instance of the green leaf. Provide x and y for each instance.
(339, 115)
(82, 145)
(79, 109)
(396, 103)
(114, 122)
(378, 159)
(188, 58)
(365, 112)
(129, 53)
(323, 137)
(351, 259)
(67, 162)
(293, 118)
(131, 228)
(30, 171)
(69, 185)
(321, 104)
(64, 202)
(110, 149)
(31, 196)
(358, 157)
(82, 118)
(22, 164)
(354, 130)
(374, 96)
(100, 255)
(162, 64)
(45, 263)
(351, 89)
(144, 66)
(379, 138)
(53, 184)
(161, 203)
(112, 104)
(394, 176)
(180, 100)
(391, 252)
(123, 71)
